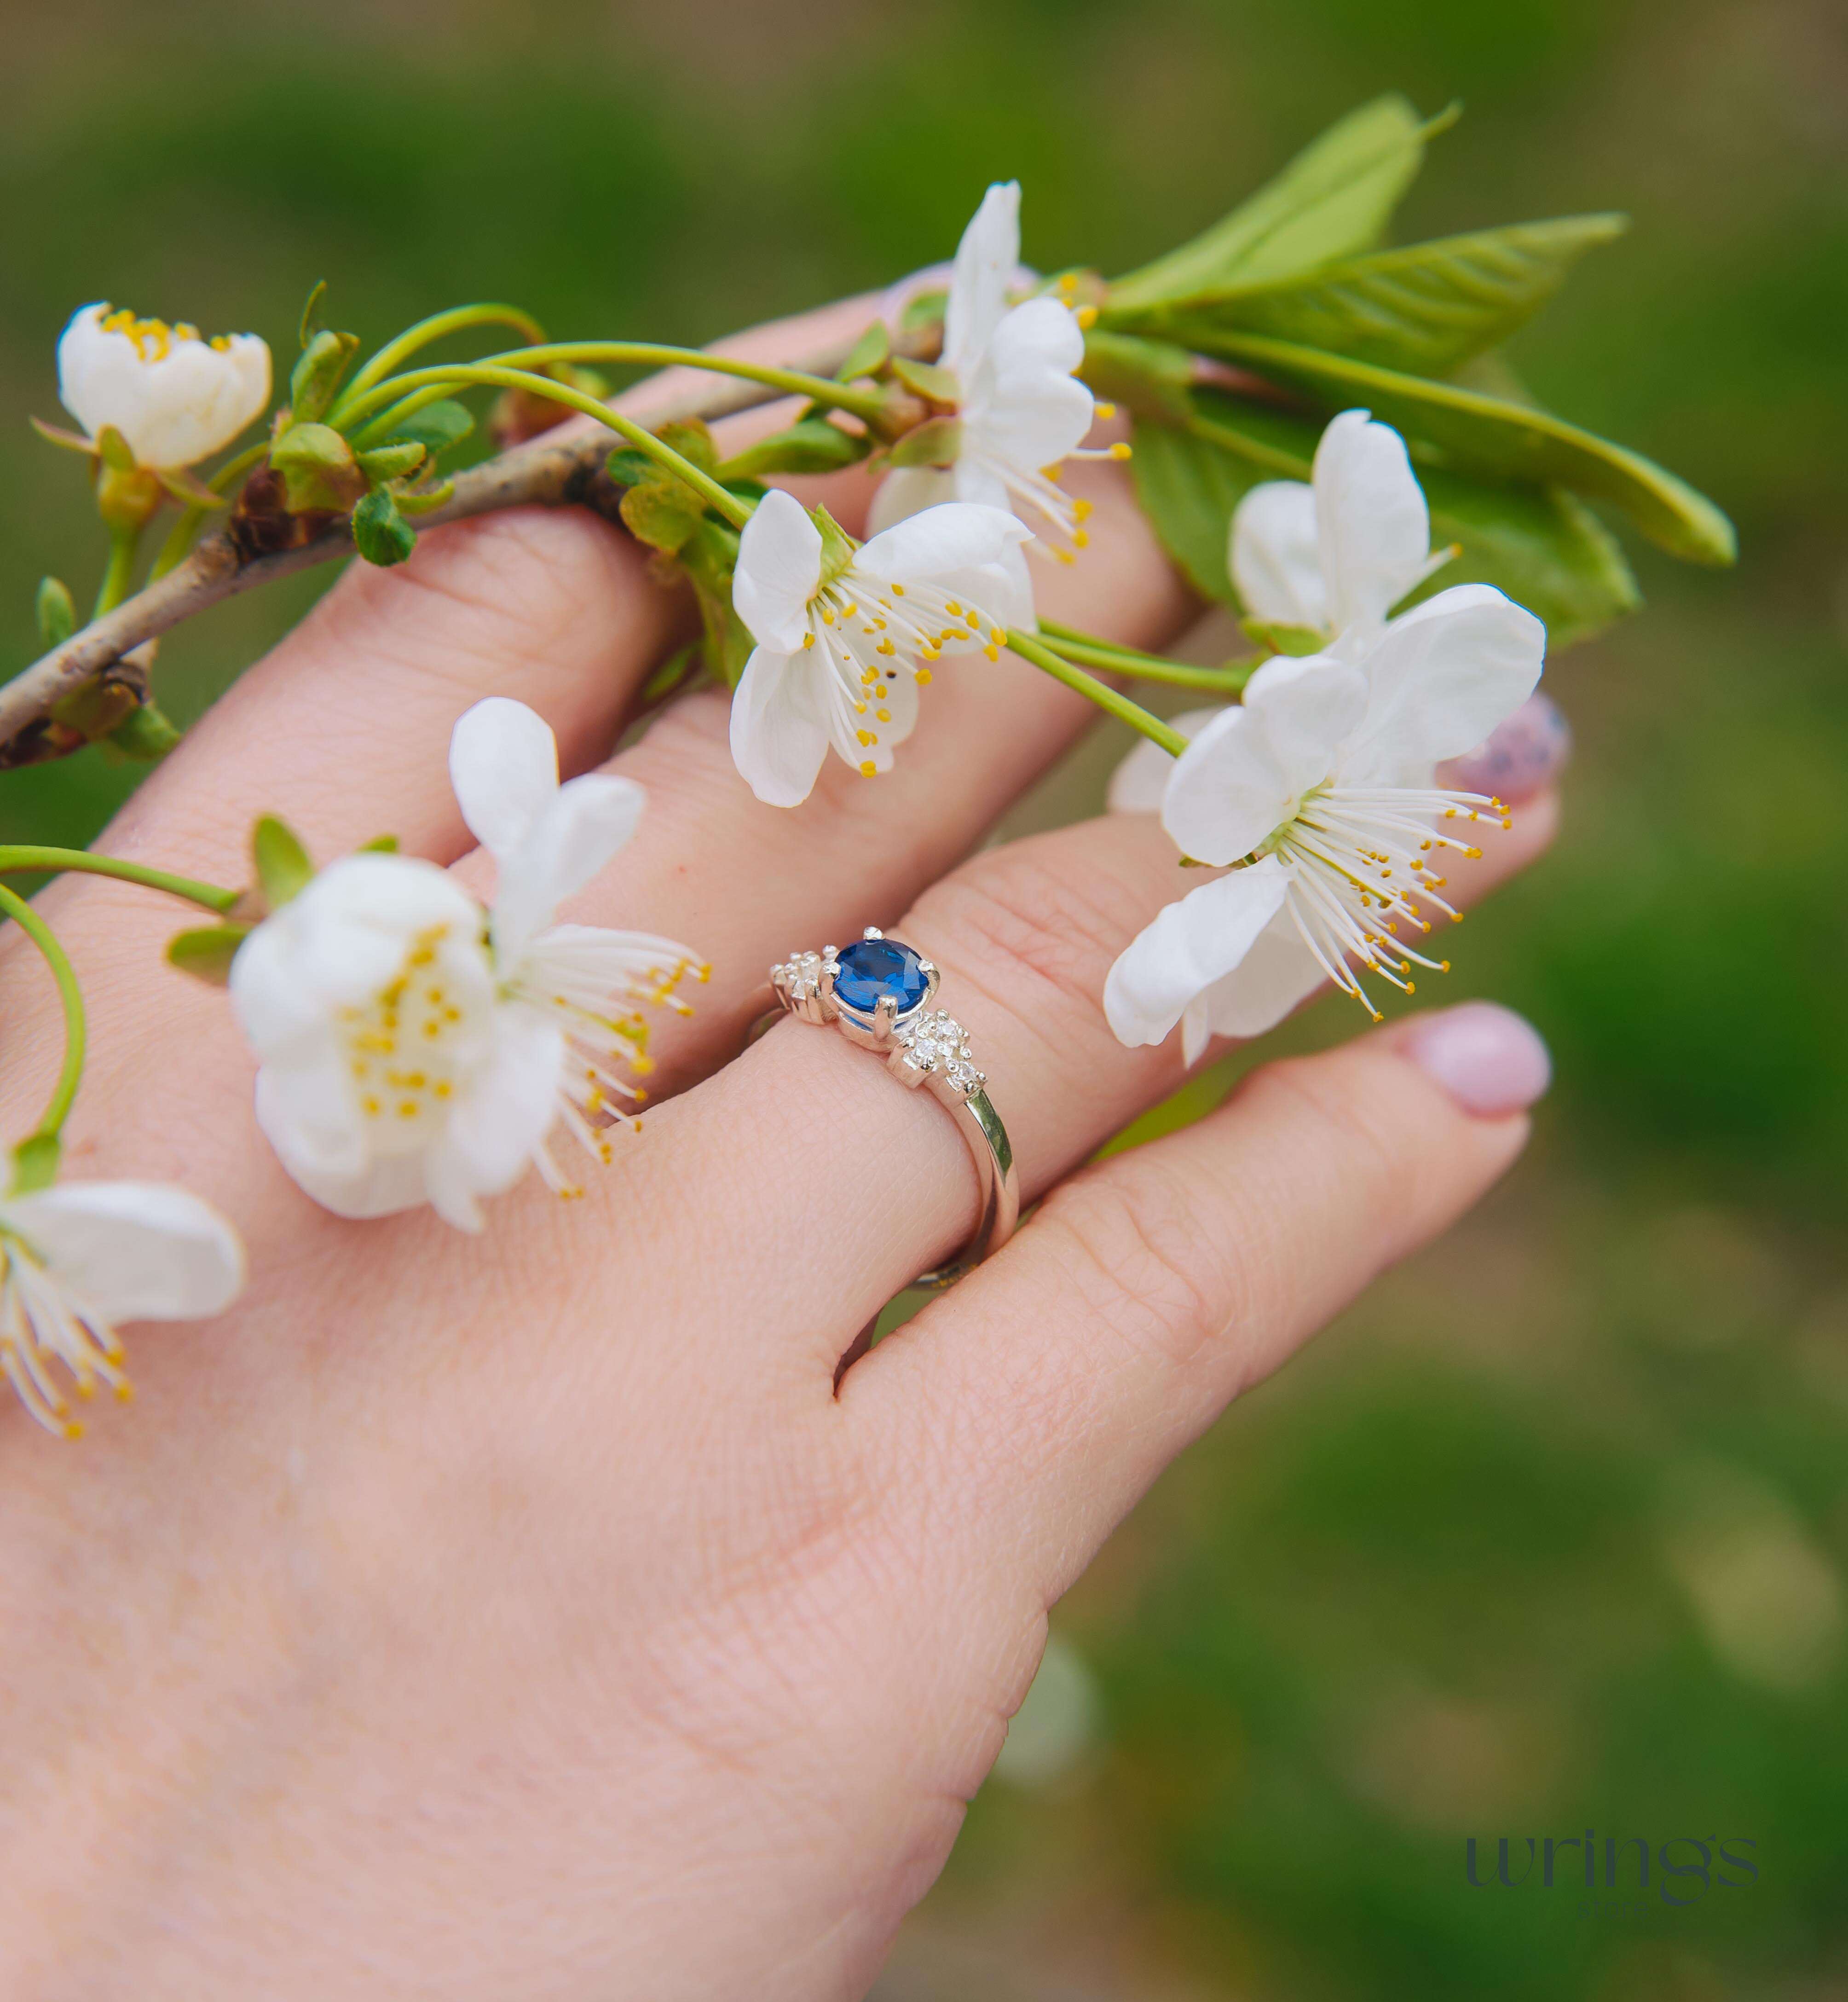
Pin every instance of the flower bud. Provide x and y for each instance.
(318, 468)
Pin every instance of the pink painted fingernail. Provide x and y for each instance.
(1489, 1060)
(1521, 756)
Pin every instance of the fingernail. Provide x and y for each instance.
(1520, 757)
(1489, 1059)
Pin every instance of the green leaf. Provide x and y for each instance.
(1333, 199)
(424, 500)
(207, 953)
(810, 445)
(436, 427)
(1545, 550)
(1425, 308)
(319, 374)
(310, 312)
(868, 355)
(692, 439)
(283, 868)
(380, 533)
(396, 461)
(319, 472)
(710, 559)
(628, 466)
(662, 512)
(144, 735)
(1498, 440)
(1150, 378)
(58, 615)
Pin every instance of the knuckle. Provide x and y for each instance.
(1352, 1132)
(1150, 1267)
(1039, 938)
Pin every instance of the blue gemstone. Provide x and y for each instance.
(865, 974)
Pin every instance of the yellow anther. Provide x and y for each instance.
(1082, 510)
(1107, 411)
(808, 639)
(1087, 316)
(868, 770)
(866, 737)
(1121, 450)
(922, 677)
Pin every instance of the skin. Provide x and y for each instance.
(526, 1615)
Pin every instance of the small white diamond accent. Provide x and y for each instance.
(936, 1041)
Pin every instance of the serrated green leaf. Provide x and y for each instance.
(1333, 199)
(207, 953)
(663, 513)
(628, 466)
(56, 614)
(1424, 309)
(283, 867)
(380, 532)
(710, 560)
(1499, 441)
(396, 461)
(693, 439)
(1150, 378)
(1542, 547)
(319, 472)
(811, 444)
(436, 427)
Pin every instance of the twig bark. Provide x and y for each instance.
(559, 468)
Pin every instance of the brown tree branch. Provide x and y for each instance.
(559, 468)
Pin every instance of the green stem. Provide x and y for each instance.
(179, 537)
(41, 934)
(455, 321)
(17, 858)
(1100, 693)
(1115, 660)
(653, 354)
(122, 543)
(736, 511)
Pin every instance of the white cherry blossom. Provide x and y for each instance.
(1317, 794)
(175, 397)
(79, 1258)
(415, 1048)
(847, 634)
(1021, 411)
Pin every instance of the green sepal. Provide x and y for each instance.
(311, 312)
(928, 379)
(319, 373)
(662, 512)
(318, 470)
(810, 445)
(35, 1163)
(206, 954)
(868, 355)
(436, 427)
(1298, 641)
(380, 844)
(96, 708)
(144, 736)
(925, 310)
(380, 532)
(56, 614)
(66, 441)
(188, 489)
(709, 559)
(935, 442)
(283, 868)
(392, 461)
(114, 449)
(837, 546)
(425, 499)
(1150, 378)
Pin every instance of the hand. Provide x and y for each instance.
(526, 1615)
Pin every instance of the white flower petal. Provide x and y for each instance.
(1275, 556)
(1140, 783)
(779, 571)
(1191, 945)
(957, 536)
(1370, 513)
(182, 402)
(134, 1250)
(1307, 708)
(503, 765)
(572, 841)
(1278, 974)
(311, 1099)
(985, 261)
(1024, 404)
(1441, 678)
(381, 1185)
(507, 1107)
(908, 490)
(778, 741)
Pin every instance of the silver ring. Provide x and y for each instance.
(878, 994)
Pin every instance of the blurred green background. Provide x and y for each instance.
(1551, 1531)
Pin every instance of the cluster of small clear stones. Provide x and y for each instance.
(799, 976)
(936, 1041)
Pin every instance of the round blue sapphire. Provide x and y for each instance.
(868, 973)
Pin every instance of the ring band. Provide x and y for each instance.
(878, 994)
